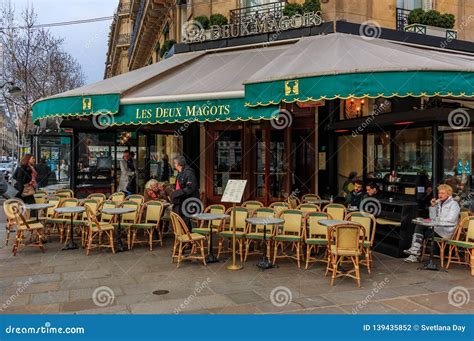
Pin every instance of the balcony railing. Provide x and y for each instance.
(136, 26)
(123, 39)
(272, 10)
(402, 18)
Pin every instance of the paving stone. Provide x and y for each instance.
(313, 302)
(50, 297)
(405, 306)
(85, 275)
(32, 309)
(81, 305)
(245, 297)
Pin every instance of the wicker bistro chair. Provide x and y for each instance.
(64, 193)
(344, 242)
(293, 202)
(252, 205)
(8, 206)
(308, 197)
(128, 220)
(337, 211)
(23, 226)
(463, 243)
(40, 197)
(138, 198)
(316, 236)
(254, 233)
(278, 206)
(308, 208)
(182, 238)
(82, 221)
(216, 225)
(50, 214)
(61, 220)
(104, 217)
(149, 221)
(100, 197)
(117, 197)
(227, 232)
(96, 231)
(292, 233)
(370, 224)
(442, 242)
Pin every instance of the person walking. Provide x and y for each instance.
(186, 188)
(125, 173)
(25, 176)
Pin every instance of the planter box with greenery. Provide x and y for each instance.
(431, 23)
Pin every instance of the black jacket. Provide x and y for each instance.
(354, 199)
(188, 186)
(23, 177)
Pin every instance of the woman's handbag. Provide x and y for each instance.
(28, 190)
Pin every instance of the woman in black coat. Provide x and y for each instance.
(26, 175)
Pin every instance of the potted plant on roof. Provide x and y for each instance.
(431, 23)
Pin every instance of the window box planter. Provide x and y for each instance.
(432, 31)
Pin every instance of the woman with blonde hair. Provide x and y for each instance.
(444, 210)
(155, 190)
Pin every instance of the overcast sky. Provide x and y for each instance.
(86, 42)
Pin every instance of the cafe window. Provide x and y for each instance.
(95, 161)
(413, 151)
(349, 157)
(227, 159)
(278, 164)
(378, 155)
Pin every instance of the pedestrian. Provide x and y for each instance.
(445, 211)
(3, 186)
(186, 188)
(63, 171)
(125, 173)
(43, 171)
(25, 176)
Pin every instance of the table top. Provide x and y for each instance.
(38, 206)
(52, 188)
(264, 221)
(71, 209)
(209, 216)
(334, 222)
(422, 221)
(118, 210)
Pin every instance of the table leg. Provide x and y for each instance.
(118, 236)
(211, 258)
(430, 265)
(71, 245)
(264, 263)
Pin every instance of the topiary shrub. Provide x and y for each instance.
(311, 6)
(416, 16)
(431, 18)
(292, 9)
(218, 19)
(203, 21)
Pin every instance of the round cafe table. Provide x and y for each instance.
(430, 265)
(335, 222)
(71, 245)
(318, 201)
(209, 217)
(264, 263)
(37, 208)
(118, 211)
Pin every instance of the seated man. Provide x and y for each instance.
(355, 197)
(448, 210)
(373, 191)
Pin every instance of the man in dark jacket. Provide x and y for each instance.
(185, 197)
(373, 191)
(354, 198)
(43, 171)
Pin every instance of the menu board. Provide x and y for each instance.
(234, 191)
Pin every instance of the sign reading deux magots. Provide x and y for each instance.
(253, 25)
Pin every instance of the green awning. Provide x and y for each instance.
(106, 111)
(74, 106)
(359, 85)
(190, 111)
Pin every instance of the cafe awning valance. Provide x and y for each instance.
(346, 66)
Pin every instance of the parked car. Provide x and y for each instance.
(7, 169)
